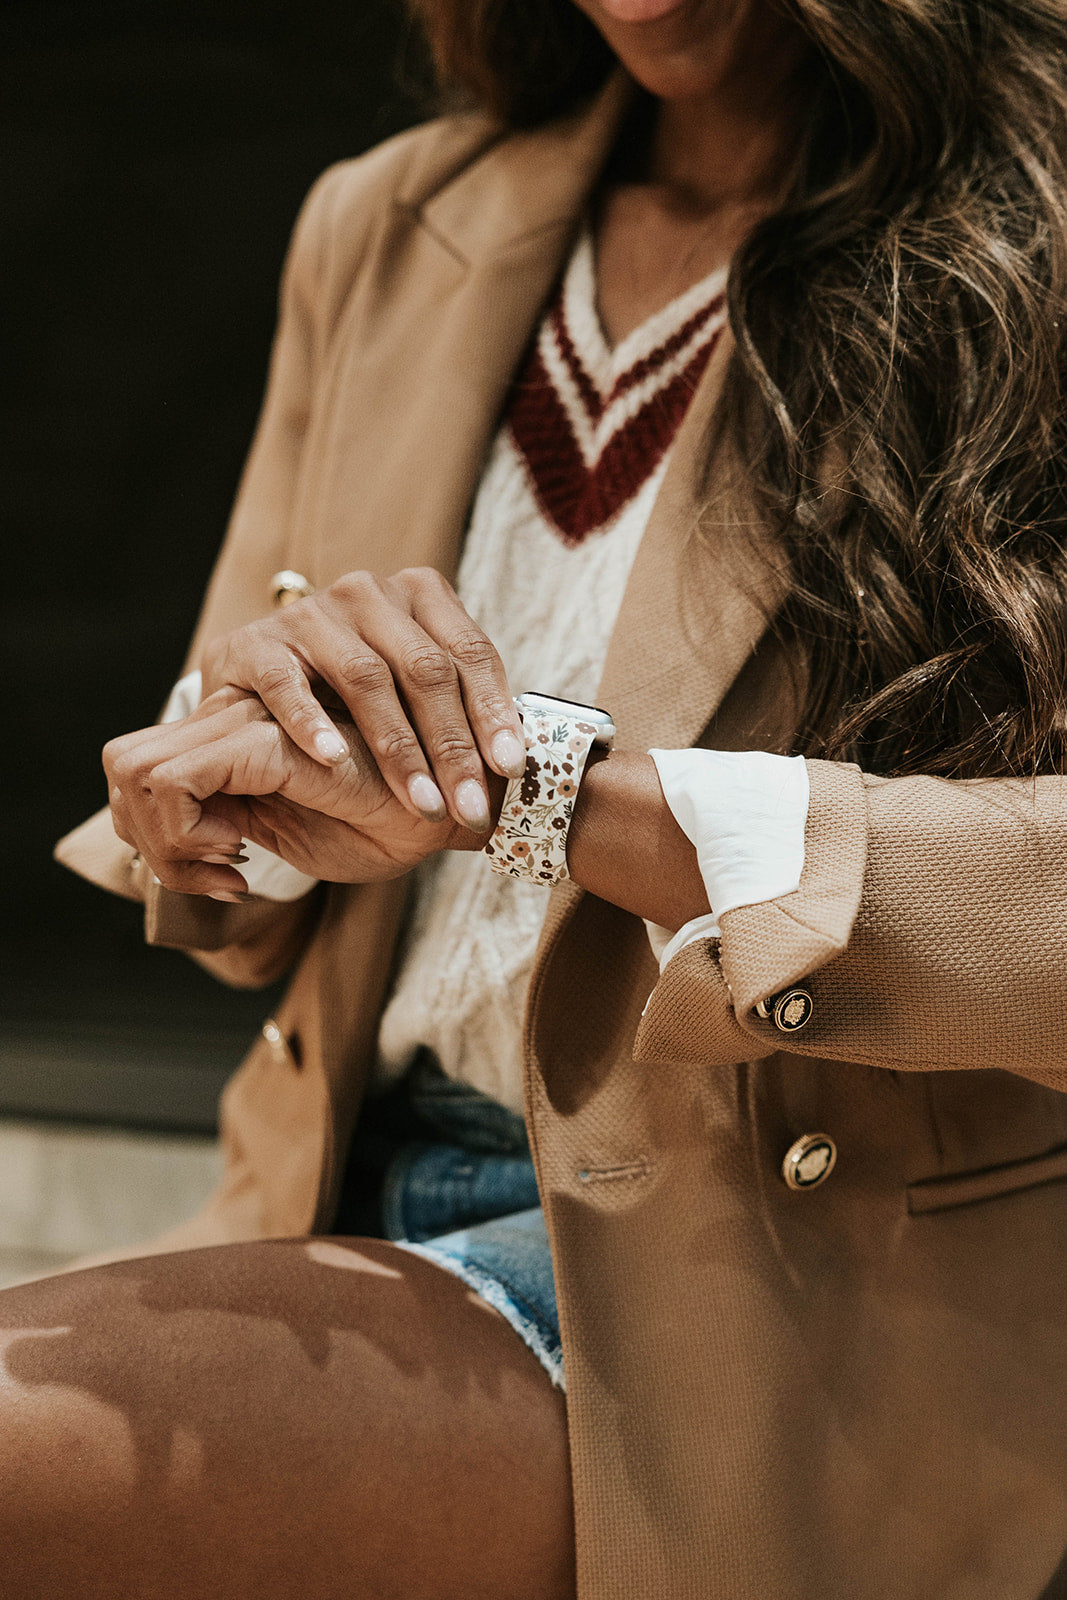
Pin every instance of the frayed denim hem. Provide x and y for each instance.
(535, 1333)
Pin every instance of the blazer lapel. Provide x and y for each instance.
(473, 247)
(433, 335)
(705, 584)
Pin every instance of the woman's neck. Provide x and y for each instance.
(691, 178)
(708, 155)
(730, 143)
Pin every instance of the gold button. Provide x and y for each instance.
(286, 586)
(809, 1161)
(790, 1010)
(271, 1032)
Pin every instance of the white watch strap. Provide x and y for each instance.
(530, 840)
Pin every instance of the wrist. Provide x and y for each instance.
(589, 801)
(625, 846)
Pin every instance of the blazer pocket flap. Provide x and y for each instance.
(989, 1183)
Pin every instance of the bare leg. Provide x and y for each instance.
(338, 1420)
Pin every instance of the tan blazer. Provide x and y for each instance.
(858, 1391)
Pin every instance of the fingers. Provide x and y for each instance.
(251, 761)
(487, 697)
(427, 691)
(194, 877)
(212, 874)
(188, 731)
(398, 685)
(423, 684)
(353, 663)
(264, 665)
(190, 849)
(404, 695)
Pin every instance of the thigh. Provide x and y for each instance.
(330, 1418)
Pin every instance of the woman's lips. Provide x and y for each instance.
(640, 10)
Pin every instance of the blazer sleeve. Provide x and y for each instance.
(252, 943)
(929, 928)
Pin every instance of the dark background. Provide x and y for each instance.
(154, 158)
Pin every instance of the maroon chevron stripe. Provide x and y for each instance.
(575, 499)
(590, 395)
(665, 352)
(594, 402)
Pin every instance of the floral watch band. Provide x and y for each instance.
(530, 839)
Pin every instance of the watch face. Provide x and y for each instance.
(572, 708)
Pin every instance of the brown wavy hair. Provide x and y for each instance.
(899, 376)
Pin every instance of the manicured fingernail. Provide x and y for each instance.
(473, 806)
(331, 747)
(427, 797)
(221, 859)
(509, 754)
(224, 894)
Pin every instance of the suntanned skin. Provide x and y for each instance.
(338, 1418)
(321, 1419)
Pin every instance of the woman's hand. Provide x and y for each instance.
(424, 686)
(186, 794)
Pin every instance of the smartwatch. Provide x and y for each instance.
(530, 839)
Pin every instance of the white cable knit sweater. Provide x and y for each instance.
(563, 502)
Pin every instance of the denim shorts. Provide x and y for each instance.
(446, 1172)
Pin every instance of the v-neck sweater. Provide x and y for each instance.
(564, 499)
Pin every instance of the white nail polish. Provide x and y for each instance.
(330, 747)
(473, 806)
(427, 797)
(508, 753)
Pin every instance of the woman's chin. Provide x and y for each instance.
(673, 48)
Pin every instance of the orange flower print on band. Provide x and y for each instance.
(530, 840)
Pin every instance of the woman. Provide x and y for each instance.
(805, 1191)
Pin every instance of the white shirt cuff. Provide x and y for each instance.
(183, 698)
(666, 945)
(266, 874)
(745, 813)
